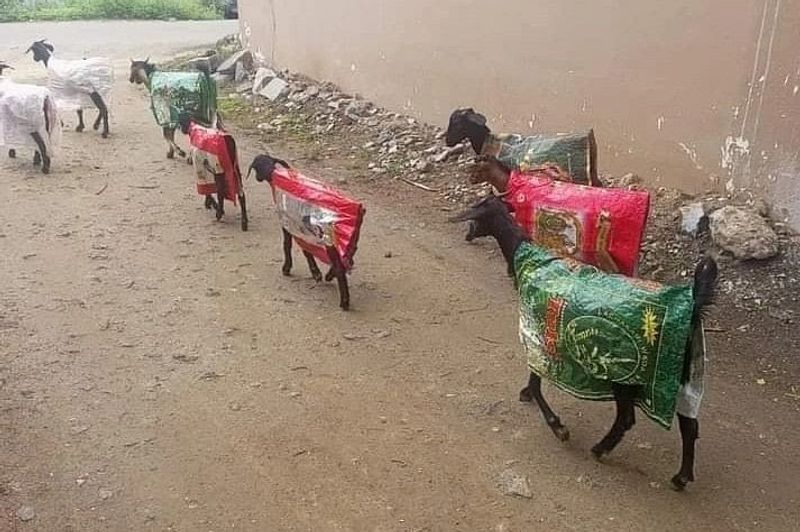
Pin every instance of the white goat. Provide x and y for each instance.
(28, 118)
(78, 84)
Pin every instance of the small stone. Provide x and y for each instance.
(450, 152)
(235, 407)
(514, 484)
(388, 255)
(628, 180)
(423, 167)
(105, 494)
(25, 513)
(295, 395)
(692, 218)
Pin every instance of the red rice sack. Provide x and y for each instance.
(599, 226)
(317, 216)
(214, 152)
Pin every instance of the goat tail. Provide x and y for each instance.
(705, 282)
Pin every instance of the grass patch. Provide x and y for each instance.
(15, 10)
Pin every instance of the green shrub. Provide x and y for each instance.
(14, 10)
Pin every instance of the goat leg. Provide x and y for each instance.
(103, 109)
(690, 429)
(625, 420)
(81, 125)
(243, 205)
(341, 277)
(219, 180)
(534, 391)
(98, 121)
(287, 253)
(312, 266)
(169, 137)
(211, 203)
(37, 158)
(43, 151)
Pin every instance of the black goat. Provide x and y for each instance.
(490, 217)
(264, 166)
(575, 154)
(74, 81)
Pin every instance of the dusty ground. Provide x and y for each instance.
(158, 373)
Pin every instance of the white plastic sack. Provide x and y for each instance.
(22, 112)
(73, 81)
(690, 396)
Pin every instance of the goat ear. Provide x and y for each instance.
(477, 119)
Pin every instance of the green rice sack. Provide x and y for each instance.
(583, 330)
(174, 93)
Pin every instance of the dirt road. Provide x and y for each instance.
(158, 373)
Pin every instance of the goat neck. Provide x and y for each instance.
(509, 237)
(477, 137)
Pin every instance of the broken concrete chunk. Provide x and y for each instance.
(229, 65)
(262, 77)
(274, 89)
(743, 233)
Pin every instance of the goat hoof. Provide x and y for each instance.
(46, 169)
(12, 154)
(170, 155)
(79, 129)
(598, 452)
(244, 225)
(287, 272)
(525, 395)
(317, 276)
(219, 215)
(96, 127)
(329, 277)
(105, 134)
(345, 306)
(562, 433)
(679, 482)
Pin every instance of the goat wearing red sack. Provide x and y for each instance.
(599, 226)
(325, 223)
(216, 164)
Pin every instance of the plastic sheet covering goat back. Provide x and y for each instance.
(584, 330)
(214, 154)
(317, 215)
(574, 153)
(72, 81)
(26, 109)
(174, 93)
(600, 226)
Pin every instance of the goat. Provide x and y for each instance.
(575, 154)
(214, 154)
(200, 103)
(78, 84)
(531, 264)
(600, 226)
(325, 224)
(28, 115)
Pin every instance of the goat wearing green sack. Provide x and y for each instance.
(606, 337)
(174, 95)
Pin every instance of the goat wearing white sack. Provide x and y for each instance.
(78, 84)
(28, 118)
